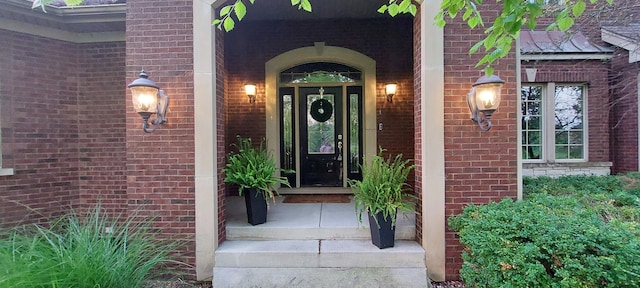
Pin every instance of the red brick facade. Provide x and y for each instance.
(160, 166)
(479, 166)
(624, 112)
(62, 127)
(593, 73)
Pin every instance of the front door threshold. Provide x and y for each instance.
(315, 190)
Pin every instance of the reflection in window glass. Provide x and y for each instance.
(532, 114)
(569, 142)
(354, 134)
(287, 129)
(321, 135)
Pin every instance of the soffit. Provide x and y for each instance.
(83, 19)
(322, 9)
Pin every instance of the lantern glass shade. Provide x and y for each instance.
(145, 99)
(250, 90)
(391, 89)
(487, 96)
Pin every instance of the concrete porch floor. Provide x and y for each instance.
(307, 221)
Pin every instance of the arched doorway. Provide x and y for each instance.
(321, 129)
(298, 87)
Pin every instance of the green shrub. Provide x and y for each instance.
(546, 241)
(82, 252)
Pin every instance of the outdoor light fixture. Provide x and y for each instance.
(484, 99)
(148, 99)
(250, 89)
(391, 90)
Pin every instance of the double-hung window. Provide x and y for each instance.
(554, 126)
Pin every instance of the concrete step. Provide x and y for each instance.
(318, 254)
(308, 222)
(227, 277)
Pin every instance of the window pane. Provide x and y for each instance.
(320, 134)
(568, 117)
(354, 133)
(531, 121)
(287, 131)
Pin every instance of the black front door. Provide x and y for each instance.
(321, 136)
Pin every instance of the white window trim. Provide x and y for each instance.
(548, 126)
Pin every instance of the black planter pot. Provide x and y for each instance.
(256, 206)
(384, 235)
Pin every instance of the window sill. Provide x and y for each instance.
(6, 171)
(566, 168)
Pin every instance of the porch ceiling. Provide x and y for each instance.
(111, 17)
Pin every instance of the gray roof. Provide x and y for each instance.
(557, 42)
(61, 3)
(630, 31)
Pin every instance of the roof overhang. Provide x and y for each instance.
(80, 24)
(629, 44)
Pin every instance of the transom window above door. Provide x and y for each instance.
(554, 127)
(320, 72)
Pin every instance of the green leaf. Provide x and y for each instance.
(579, 8)
(240, 9)
(476, 46)
(473, 22)
(216, 22)
(488, 71)
(393, 9)
(306, 5)
(404, 6)
(565, 23)
(73, 2)
(295, 2)
(382, 9)
(228, 24)
(413, 9)
(225, 10)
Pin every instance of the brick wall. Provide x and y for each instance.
(160, 169)
(221, 122)
(595, 74)
(624, 112)
(417, 110)
(38, 102)
(387, 41)
(101, 127)
(479, 166)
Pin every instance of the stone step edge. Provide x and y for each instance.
(320, 277)
(318, 254)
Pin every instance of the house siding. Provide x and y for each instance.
(480, 166)
(160, 166)
(38, 98)
(624, 112)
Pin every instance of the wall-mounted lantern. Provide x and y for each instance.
(250, 90)
(484, 99)
(148, 100)
(390, 90)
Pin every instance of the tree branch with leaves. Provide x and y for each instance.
(498, 37)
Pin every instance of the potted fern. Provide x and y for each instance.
(254, 170)
(382, 193)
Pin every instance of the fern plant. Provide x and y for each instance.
(253, 168)
(383, 188)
